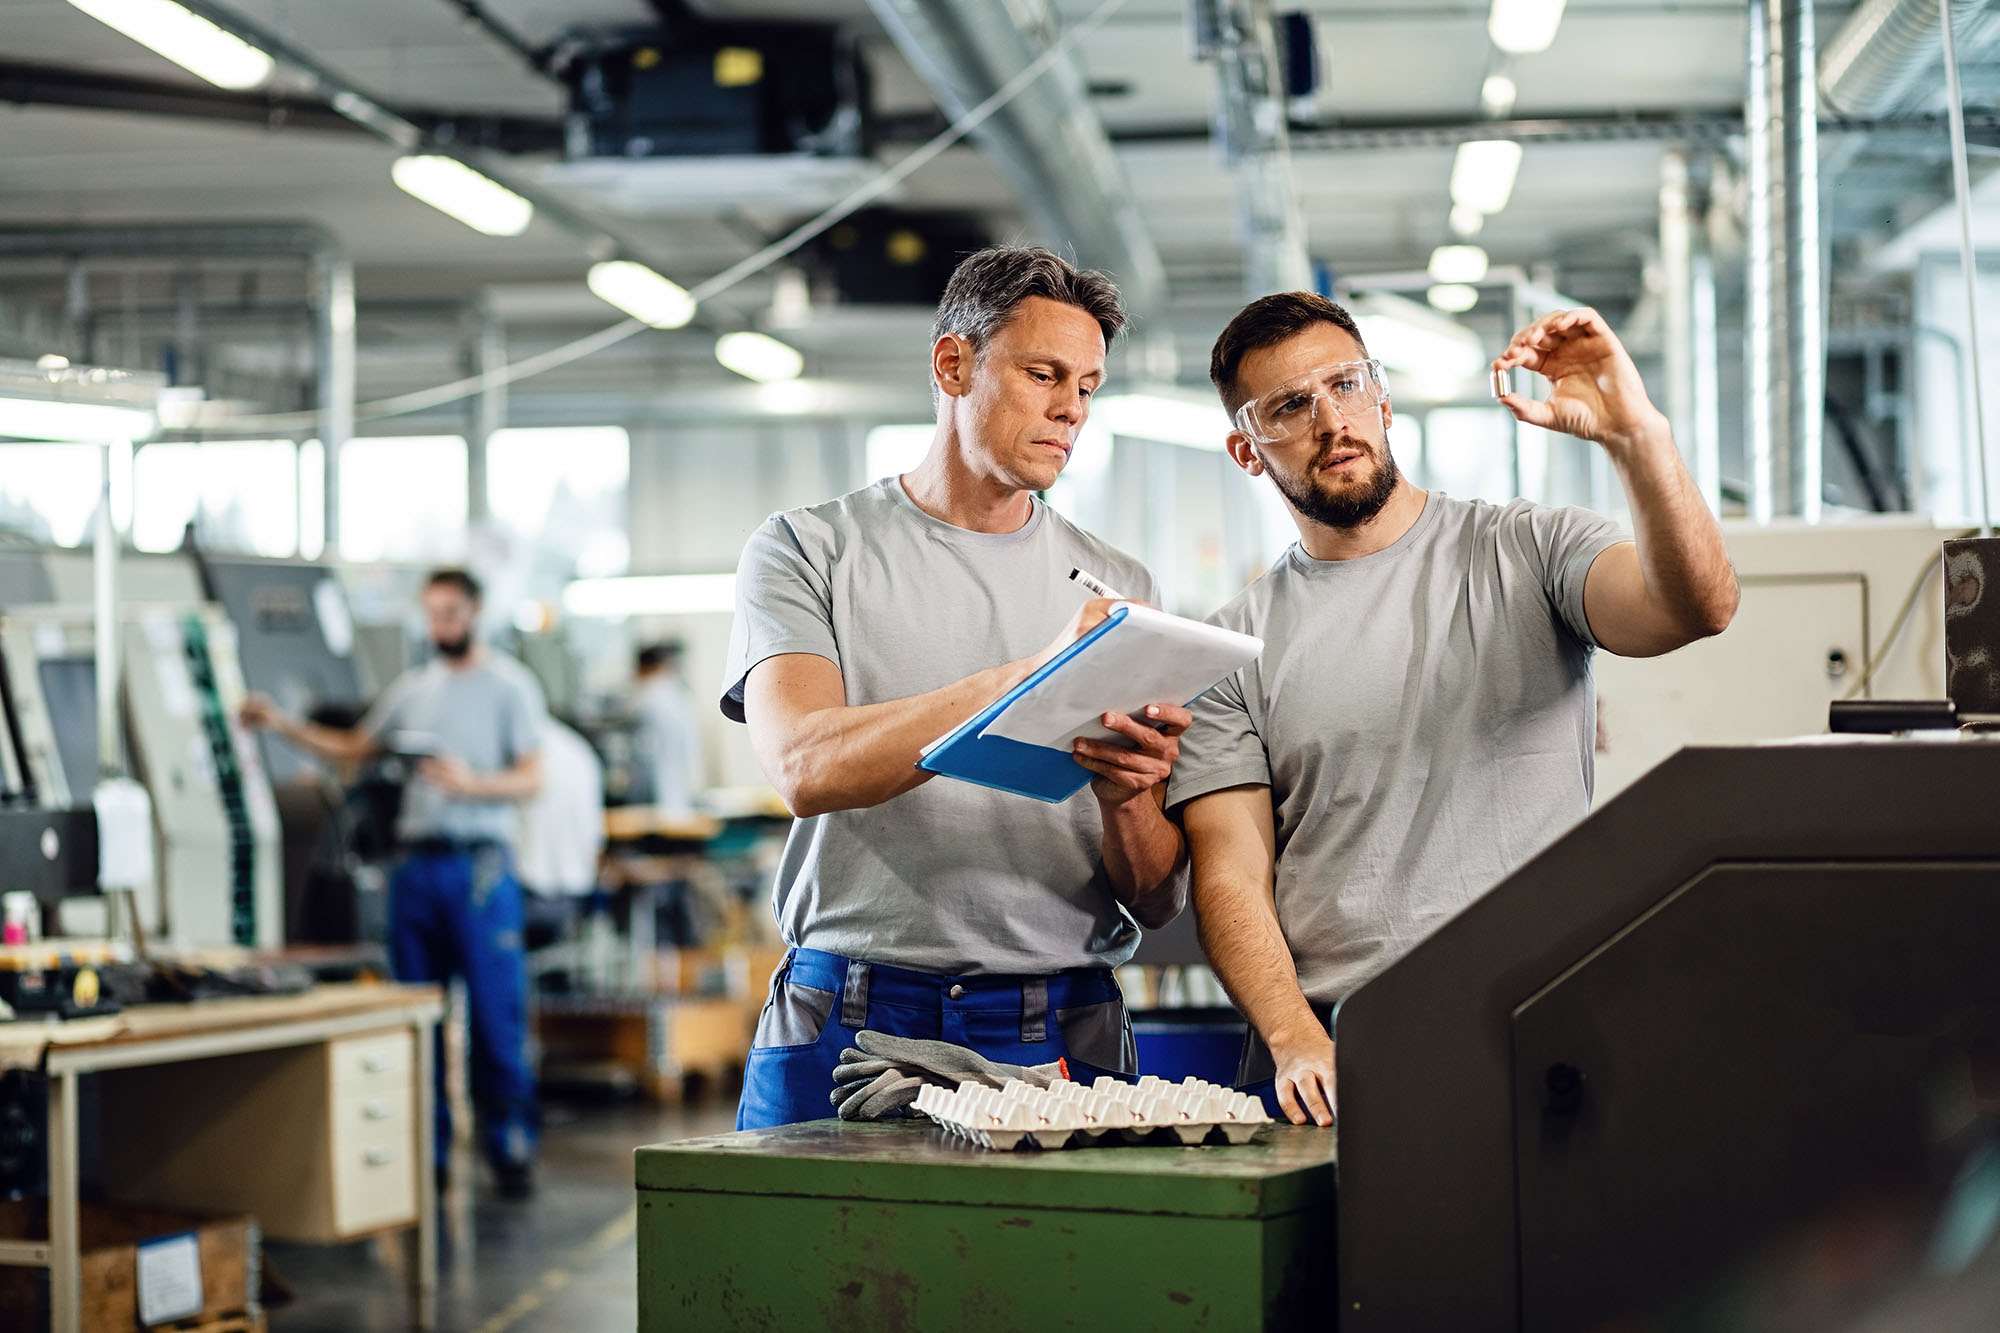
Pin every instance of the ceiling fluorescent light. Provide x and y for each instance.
(1466, 221)
(1457, 263)
(1197, 423)
(641, 293)
(1497, 94)
(759, 356)
(1524, 27)
(86, 423)
(651, 595)
(190, 41)
(449, 186)
(1454, 298)
(1482, 175)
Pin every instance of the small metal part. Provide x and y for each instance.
(1503, 382)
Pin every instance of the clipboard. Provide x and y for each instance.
(1020, 743)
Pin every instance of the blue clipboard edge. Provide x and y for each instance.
(973, 725)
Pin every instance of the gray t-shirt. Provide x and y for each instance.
(1423, 716)
(950, 877)
(488, 715)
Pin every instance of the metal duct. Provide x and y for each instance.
(1786, 336)
(1882, 53)
(333, 302)
(1250, 124)
(1048, 143)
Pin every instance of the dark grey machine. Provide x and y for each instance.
(1746, 1011)
(294, 637)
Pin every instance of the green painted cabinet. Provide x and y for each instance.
(891, 1227)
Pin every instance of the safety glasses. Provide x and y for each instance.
(1292, 409)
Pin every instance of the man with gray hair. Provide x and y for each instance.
(867, 627)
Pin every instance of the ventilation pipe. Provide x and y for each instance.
(1047, 143)
(1236, 36)
(1785, 334)
(1879, 59)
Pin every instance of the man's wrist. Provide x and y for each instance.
(1302, 1035)
(1653, 435)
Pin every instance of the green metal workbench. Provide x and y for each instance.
(890, 1227)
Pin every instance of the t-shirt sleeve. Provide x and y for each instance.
(1221, 749)
(784, 604)
(1567, 542)
(522, 719)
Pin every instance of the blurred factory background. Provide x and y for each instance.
(575, 293)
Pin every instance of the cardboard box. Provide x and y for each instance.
(230, 1252)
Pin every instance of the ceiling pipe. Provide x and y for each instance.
(1250, 126)
(1879, 58)
(1049, 144)
(1785, 335)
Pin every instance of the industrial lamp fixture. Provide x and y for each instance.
(453, 188)
(187, 39)
(641, 293)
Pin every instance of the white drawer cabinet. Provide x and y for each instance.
(319, 1142)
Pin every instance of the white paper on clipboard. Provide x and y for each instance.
(1150, 657)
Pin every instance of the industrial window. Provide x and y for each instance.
(49, 491)
(403, 498)
(894, 450)
(242, 496)
(561, 491)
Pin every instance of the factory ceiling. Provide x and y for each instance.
(103, 131)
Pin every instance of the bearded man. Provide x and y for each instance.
(1422, 719)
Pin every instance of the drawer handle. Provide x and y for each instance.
(374, 1062)
(375, 1110)
(379, 1156)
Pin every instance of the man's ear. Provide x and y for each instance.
(951, 365)
(1243, 453)
(1388, 416)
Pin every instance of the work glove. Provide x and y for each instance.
(885, 1074)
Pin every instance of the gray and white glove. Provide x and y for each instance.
(885, 1074)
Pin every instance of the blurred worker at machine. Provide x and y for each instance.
(667, 743)
(871, 625)
(475, 719)
(1421, 722)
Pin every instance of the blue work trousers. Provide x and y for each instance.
(457, 911)
(819, 1001)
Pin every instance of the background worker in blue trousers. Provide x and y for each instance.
(455, 906)
(869, 626)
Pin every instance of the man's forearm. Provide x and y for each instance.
(1681, 552)
(1240, 934)
(339, 744)
(1145, 857)
(850, 758)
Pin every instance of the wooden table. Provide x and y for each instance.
(155, 1035)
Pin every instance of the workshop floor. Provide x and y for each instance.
(561, 1262)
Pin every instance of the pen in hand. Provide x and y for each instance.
(1094, 587)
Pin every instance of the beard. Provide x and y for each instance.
(455, 649)
(1349, 507)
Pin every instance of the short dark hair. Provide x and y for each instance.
(1266, 322)
(656, 655)
(989, 285)
(456, 578)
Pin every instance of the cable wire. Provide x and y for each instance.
(1896, 626)
(868, 192)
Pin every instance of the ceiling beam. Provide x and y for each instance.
(23, 83)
